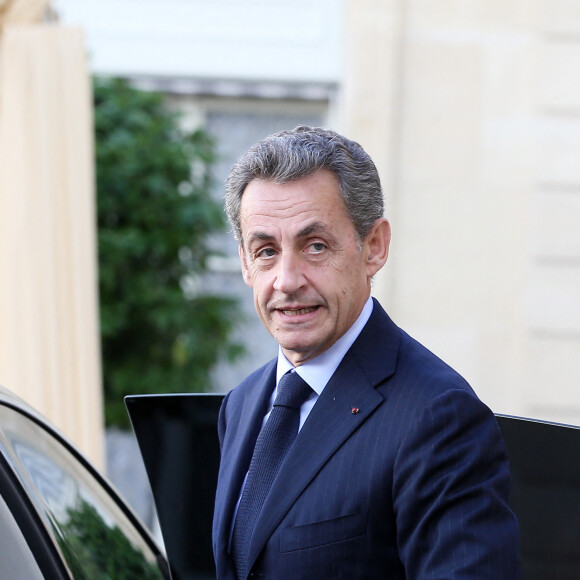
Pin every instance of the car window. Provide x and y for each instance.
(95, 536)
(16, 559)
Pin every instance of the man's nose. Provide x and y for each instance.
(289, 274)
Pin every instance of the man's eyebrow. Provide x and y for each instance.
(315, 228)
(259, 237)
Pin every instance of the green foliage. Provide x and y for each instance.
(95, 551)
(155, 214)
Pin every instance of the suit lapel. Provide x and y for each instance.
(332, 420)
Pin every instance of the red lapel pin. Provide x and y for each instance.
(355, 410)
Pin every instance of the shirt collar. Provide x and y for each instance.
(317, 372)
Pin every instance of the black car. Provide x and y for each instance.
(178, 442)
(58, 517)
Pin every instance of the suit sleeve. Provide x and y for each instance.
(450, 495)
(222, 420)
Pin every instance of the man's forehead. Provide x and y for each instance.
(299, 207)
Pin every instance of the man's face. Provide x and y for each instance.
(301, 256)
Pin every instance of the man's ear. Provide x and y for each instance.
(245, 269)
(376, 246)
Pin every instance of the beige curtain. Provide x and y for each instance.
(49, 348)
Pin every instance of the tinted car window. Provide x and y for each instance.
(16, 559)
(95, 536)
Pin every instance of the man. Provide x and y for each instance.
(397, 470)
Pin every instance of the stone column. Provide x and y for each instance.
(49, 331)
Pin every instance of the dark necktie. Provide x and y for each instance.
(272, 444)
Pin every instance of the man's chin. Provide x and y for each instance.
(298, 354)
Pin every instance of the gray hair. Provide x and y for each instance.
(299, 153)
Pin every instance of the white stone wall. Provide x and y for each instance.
(552, 346)
(482, 123)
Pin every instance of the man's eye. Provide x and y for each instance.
(266, 253)
(317, 247)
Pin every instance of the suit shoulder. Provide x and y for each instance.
(424, 372)
(401, 365)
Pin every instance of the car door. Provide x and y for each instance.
(58, 517)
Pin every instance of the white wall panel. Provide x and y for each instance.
(285, 40)
(559, 155)
(556, 225)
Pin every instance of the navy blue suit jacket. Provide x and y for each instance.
(414, 485)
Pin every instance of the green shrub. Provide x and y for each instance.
(155, 214)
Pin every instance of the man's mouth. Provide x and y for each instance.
(298, 311)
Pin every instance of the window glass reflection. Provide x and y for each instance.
(95, 537)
